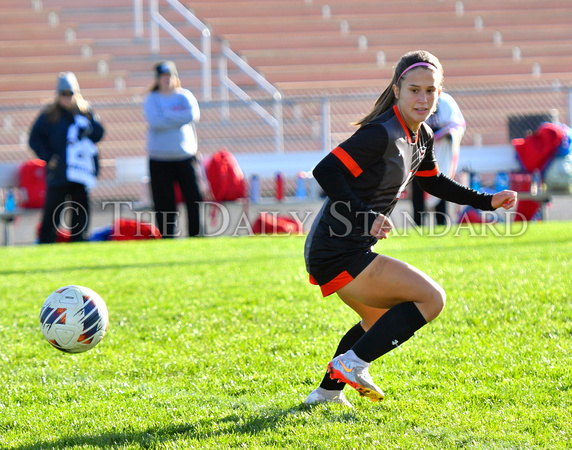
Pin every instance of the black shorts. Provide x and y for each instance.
(334, 262)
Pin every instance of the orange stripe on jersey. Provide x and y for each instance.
(348, 161)
(402, 122)
(428, 173)
(337, 283)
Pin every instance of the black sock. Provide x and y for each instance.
(349, 339)
(391, 330)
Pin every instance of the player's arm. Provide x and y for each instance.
(442, 186)
(348, 161)
(331, 173)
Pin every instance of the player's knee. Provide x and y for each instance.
(435, 303)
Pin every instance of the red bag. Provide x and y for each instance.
(471, 215)
(225, 176)
(129, 230)
(32, 181)
(537, 150)
(526, 209)
(272, 224)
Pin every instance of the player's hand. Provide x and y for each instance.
(381, 227)
(505, 199)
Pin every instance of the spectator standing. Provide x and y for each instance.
(171, 112)
(64, 136)
(448, 125)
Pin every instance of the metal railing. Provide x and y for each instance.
(203, 56)
(275, 120)
(138, 25)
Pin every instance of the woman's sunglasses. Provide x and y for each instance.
(66, 94)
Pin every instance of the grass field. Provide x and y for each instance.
(215, 343)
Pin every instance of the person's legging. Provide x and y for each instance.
(66, 207)
(164, 175)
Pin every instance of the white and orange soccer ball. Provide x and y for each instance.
(74, 319)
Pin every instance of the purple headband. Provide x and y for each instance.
(412, 66)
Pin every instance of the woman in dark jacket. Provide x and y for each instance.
(70, 169)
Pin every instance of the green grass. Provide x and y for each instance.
(215, 343)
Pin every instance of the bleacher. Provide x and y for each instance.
(306, 48)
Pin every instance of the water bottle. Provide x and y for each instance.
(10, 205)
(254, 189)
(301, 186)
(502, 181)
(536, 183)
(279, 186)
(475, 181)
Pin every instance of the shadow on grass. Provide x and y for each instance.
(231, 426)
(145, 265)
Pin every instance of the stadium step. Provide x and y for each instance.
(34, 32)
(53, 64)
(44, 47)
(25, 16)
(47, 81)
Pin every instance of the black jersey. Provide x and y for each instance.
(383, 156)
(364, 176)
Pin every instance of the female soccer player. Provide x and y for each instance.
(363, 178)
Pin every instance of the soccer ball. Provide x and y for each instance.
(74, 319)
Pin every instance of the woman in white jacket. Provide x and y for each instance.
(170, 112)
